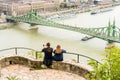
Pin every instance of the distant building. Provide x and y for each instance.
(21, 7)
(70, 3)
(90, 1)
(85, 1)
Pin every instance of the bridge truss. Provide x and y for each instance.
(111, 33)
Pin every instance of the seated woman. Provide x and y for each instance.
(58, 53)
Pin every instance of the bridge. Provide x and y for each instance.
(111, 33)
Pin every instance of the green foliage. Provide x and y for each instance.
(109, 69)
(12, 78)
(33, 53)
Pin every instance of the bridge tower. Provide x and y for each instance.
(33, 26)
(111, 30)
(111, 33)
(32, 12)
(14, 14)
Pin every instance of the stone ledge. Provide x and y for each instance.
(63, 66)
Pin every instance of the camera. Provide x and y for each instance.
(44, 46)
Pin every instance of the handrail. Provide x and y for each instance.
(36, 54)
(82, 56)
(18, 48)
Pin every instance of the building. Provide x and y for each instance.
(90, 1)
(70, 3)
(21, 7)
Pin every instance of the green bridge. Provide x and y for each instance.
(111, 33)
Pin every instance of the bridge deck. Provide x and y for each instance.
(109, 33)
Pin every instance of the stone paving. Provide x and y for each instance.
(24, 73)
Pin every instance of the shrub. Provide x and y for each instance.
(12, 78)
(110, 67)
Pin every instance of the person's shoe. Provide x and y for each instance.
(43, 66)
(51, 66)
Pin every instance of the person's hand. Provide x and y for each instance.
(44, 46)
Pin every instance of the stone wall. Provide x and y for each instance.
(68, 67)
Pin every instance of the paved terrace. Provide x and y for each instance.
(23, 68)
(27, 67)
(24, 73)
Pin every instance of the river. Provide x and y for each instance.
(18, 36)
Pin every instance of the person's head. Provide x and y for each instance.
(58, 49)
(48, 44)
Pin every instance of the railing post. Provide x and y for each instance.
(77, 58)
(36, 55)
(16, 51)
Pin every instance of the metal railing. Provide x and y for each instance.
(15, 51)
(78, 55)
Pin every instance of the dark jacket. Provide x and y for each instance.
(58, 57)
(47, 56)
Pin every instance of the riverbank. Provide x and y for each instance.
(5, 25)
(79, 10)
(99, 7)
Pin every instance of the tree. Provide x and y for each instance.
(110, 67)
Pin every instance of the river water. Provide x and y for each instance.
(18, 36)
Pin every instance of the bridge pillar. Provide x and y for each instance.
(33, 27)
(14, 14)
(110, 45)
(32, 24)
(12, 21)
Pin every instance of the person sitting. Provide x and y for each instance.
(58, 53)
(47, 55)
